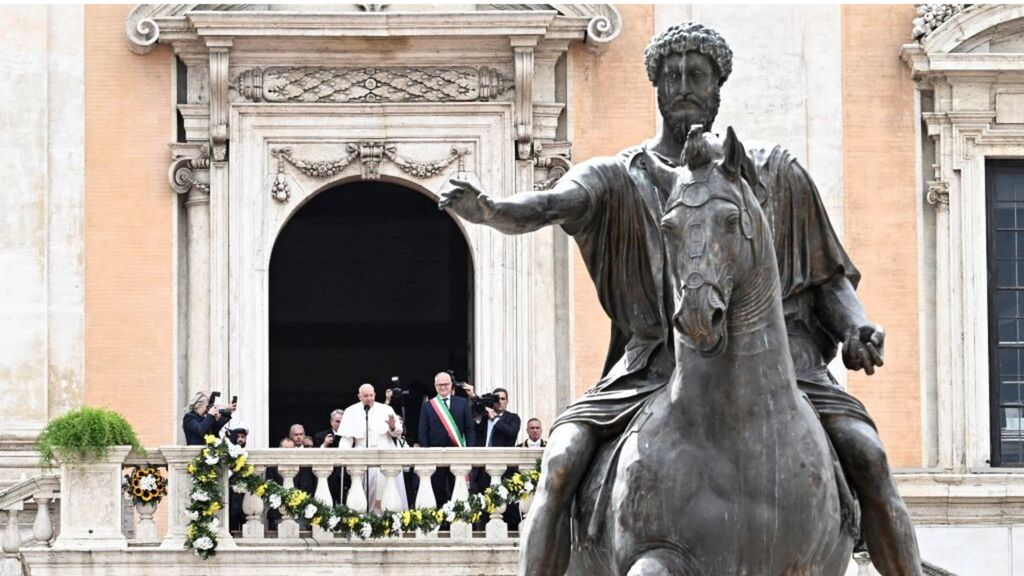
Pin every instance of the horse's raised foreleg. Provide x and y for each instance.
(662, 562)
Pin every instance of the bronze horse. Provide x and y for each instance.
(728, 471)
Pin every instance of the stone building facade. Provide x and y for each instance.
(157, 153)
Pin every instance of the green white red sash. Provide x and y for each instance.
(441, 409)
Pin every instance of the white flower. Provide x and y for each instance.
(212, 460)
(528, 487)
(235, 450)
(214, 524)
(218, 441)
(448, 507)
(274, 500)
(200, 496)
(365, 530)
(147, 482)
(309, 511)
(192, 515)
(203, 543)
(503, 492)
(332, 522)
(481, 500)
(238, 488)
(396, 522)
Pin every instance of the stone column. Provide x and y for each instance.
(190, 176)
(938, 197)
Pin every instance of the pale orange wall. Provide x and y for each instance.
(129, 218)
(613, 108)
(881, 214)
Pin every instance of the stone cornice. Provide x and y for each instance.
(990, 498)
(595, 24)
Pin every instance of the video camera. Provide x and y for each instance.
(397, 392)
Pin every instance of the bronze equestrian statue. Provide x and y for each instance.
(613, 209)
(755, 491)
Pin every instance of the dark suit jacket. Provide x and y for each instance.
(505, 431)
(432, 431)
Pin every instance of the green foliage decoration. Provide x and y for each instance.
(220, 455)
(85, 434)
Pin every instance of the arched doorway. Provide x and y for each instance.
(368, 280)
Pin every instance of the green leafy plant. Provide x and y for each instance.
(85, 434)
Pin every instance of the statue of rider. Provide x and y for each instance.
(612, 209)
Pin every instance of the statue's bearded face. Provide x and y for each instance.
(688, 92)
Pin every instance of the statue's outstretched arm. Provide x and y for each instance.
(521, 213)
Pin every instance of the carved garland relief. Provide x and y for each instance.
(370, 154)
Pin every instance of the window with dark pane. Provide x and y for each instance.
(1005, 191)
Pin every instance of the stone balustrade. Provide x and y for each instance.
(41, 491)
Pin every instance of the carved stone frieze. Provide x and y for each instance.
(364, 84)
(370, 154)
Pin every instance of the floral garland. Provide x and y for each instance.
(207, 498)
(146, 484)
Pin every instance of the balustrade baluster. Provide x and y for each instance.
(356, 493)
(461, 530)
(288, 528)
(323, 495)
(392, 499)
(42, 528)
(12, 542)
(252, 506)
(496, 529)
(425, 495)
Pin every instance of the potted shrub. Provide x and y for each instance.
(90, 444)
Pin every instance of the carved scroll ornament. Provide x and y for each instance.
(399, 84)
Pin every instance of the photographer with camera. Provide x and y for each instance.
(203, 417)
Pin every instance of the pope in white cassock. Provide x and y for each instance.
(373, 428)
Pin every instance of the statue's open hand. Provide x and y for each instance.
(468, 201)
(864, 348)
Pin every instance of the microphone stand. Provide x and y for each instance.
(366, 438)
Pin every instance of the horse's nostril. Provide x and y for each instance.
(716, 317)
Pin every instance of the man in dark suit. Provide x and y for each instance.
(445, 422)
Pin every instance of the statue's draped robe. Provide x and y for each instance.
(620, 240)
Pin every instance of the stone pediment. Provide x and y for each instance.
(148, 24)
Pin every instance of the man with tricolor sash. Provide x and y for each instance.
(446, 421)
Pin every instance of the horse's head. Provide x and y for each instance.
(711, 226)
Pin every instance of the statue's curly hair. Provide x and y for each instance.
(682, 38)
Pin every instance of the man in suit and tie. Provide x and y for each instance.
(329, 438)
(533, 432)
(445, 422)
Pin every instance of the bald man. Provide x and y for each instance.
(370, 424)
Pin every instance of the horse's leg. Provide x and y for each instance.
(886, 523)
(661, 562)
(544, 547)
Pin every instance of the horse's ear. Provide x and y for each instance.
(735, 154)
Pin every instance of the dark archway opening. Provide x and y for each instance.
(368, 281)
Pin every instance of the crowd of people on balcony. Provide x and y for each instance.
(446, 420)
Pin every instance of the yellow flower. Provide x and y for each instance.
(439, 515)
(214, 507)
(475, 518)
(490, 509)
(239, 463)
(406, 518)
(352, 521)
(248, 471)
(191, 468)
(210, 438)
(297, 498)
(191, 531)
(387, 531)
(260, 490)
